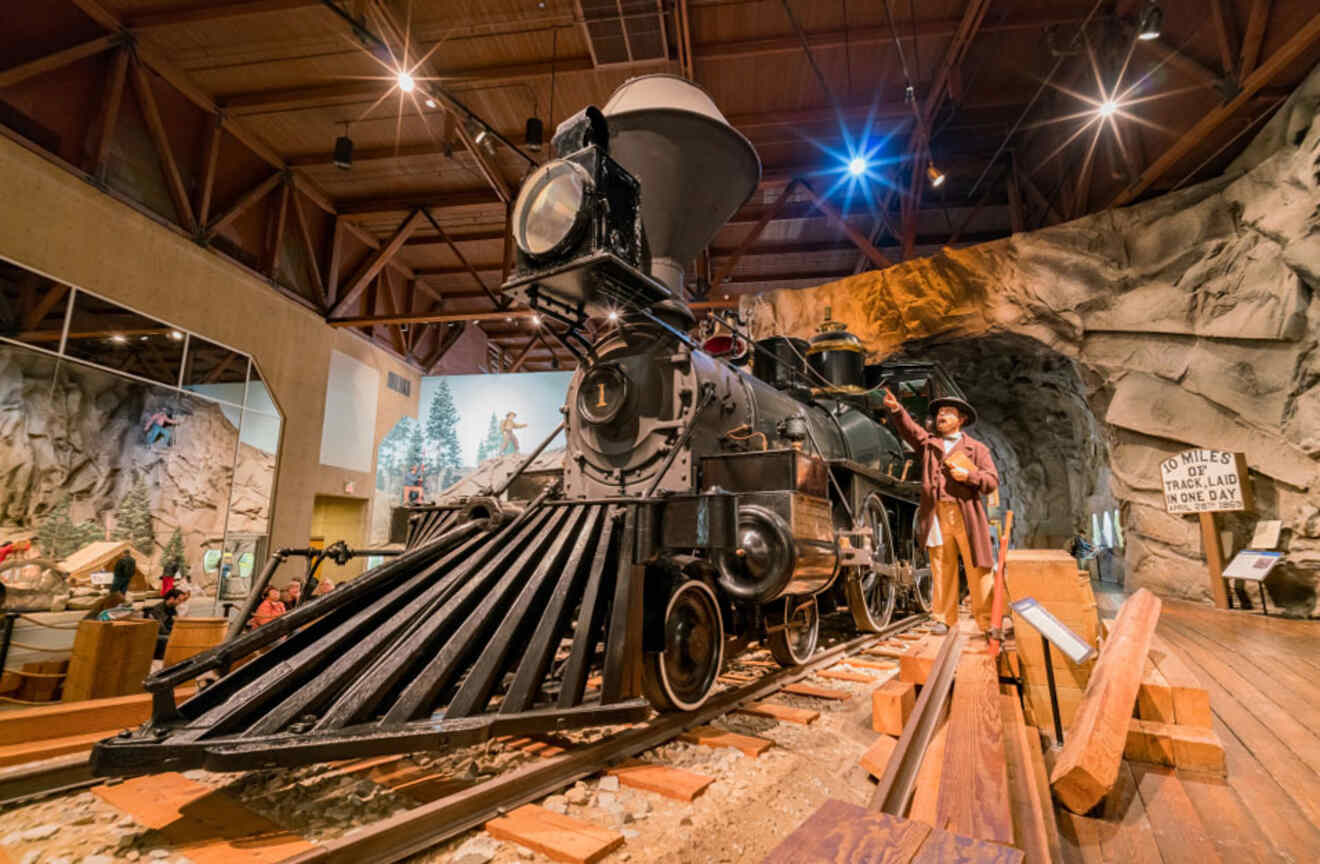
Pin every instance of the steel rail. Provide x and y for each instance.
(34, 780)
(408, 833)
(899, 781)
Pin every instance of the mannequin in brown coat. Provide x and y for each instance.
(951, 519)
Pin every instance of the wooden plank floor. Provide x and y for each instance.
(1263, 676)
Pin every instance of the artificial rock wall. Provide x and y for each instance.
(1189, 321)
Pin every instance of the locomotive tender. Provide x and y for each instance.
(702, 505)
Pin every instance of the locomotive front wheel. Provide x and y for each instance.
(683, 675)
(794, 629)
(872, 594)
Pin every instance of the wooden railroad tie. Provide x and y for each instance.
(205, 825)
(662, 780)
(891, 705)
(558, 837)
(709, 736)
(1176, 746)
(785, 713)
(803, 689)
(879, 665)
(844, 675)
(876, 757)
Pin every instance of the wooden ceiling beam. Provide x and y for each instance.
(241, 206)
(109, 119)
(58, 60)
(1302, 40)
(438, 318)
(375, 263)
(1258, 19)
(1226, 36)
(198, 13)
(156, 128)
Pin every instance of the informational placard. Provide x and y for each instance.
(1203, 481)
(102, 577)
(1266, 535)
(1252, 564)
(1060, 635)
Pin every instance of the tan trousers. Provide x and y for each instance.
(944, 570)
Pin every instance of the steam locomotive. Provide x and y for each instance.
(703, 503)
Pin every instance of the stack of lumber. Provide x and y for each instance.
(1088, 765)
(1172, 723)
(1052, 578)
(94, 557)
(983, 775)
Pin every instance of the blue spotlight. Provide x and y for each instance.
(857, 166)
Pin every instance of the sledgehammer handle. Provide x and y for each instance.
(997, 605)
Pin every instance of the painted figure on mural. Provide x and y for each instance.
(956, 470)
(158, 427)
(509, 444)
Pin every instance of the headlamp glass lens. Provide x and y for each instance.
(549, 207)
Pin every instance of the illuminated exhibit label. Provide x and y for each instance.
(1198, 481)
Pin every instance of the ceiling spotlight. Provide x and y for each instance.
(406, 82)
(430, 103)
(143, 338)
(857, 167)
(1108, 107)
(1151, 21)
(536, 320)
(535, 134)
(909, 94)
(176, 335)
(344, 150)
(508, 319)
(935, 175)
(614, 316)
(118, 338)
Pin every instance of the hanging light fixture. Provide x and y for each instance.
(1151, 22)
(344, 151)
(535, 134)
(935, 175)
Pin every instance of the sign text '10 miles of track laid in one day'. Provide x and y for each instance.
(1196, 481)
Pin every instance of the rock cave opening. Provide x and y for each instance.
(1051, 451)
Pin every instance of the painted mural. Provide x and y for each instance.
(463, 423)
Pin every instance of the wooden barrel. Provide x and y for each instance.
(193, 636)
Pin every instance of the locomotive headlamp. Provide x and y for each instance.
(552, 208)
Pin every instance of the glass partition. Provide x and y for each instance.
(119, 430)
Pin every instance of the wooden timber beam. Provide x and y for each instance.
(43, 306)
(770, 214)
(848, 231)
(156, 128)
(114, 99)
(1226, 36)
(1016, 213)
(391, 309)
(275, 240)
(438, 318)
(336, 260)
(1169, 56)
(210, 162)
(1258, 19)
(375, 263)
(446, 341)
(1302, 39)
(243, 204)
(498, 302)
(58, 60)
(358, 206)
(197, 13)
(522, 356)
(309, 248)
(183, 82)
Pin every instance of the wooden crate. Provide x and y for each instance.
(192, 636)
(110, 658)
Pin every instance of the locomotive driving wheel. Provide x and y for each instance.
(873, 591)
(794, 629)
(683, 675)
(922, 582)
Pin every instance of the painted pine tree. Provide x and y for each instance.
(175, 554)
(133, 520)
(490, 445)
(442, 435)
(59, 536)
(415, 449)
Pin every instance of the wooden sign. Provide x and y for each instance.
(1203, 481)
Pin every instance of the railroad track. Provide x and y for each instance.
(427, 825)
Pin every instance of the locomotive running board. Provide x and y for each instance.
(454, 641)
